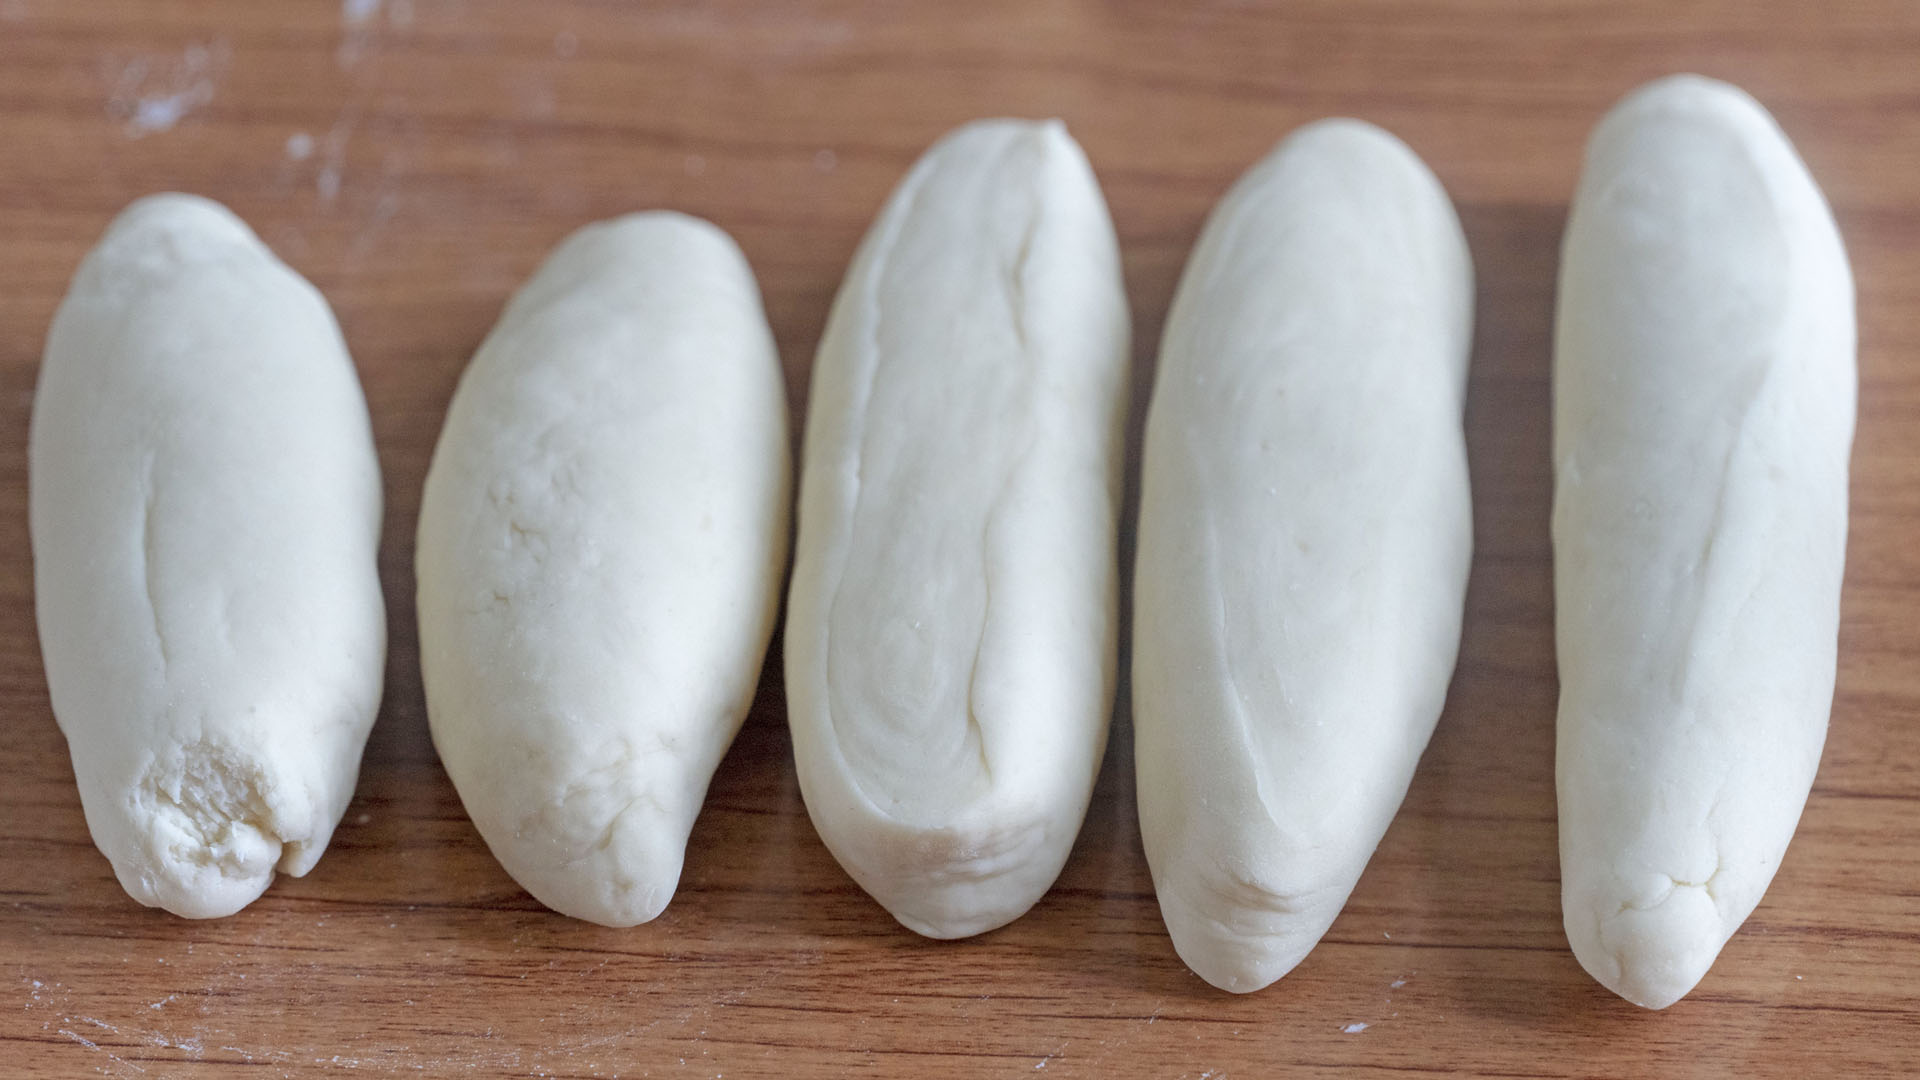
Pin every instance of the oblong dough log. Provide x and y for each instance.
(1305, 534)
(205, 508)
(1703, 388)
(951, 627)
(601, 539)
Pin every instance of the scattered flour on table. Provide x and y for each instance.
(153, 92)
(1355, 1029)
(360, 25)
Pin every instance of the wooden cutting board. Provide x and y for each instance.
(417, 159)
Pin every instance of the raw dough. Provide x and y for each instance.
(950, 636)
(1305, 533)
(1703, 415)
(601, 540)
(205, 510)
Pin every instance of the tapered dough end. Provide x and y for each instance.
(954, 881)
(982, 871)
(604, 849)
(1230, 962)
(607, 852)
(623, 879)
(664, 234)
(1246, 945)
(176, 212)
(1361, 136)
(157, 237)
(1651, 956)
(1688, 93)
(970, 136)
(1246, 909)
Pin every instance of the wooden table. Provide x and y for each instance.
(416, 159)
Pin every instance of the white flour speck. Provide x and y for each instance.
(152, 93)
(361, 30)
(1397, 984)
(159, 114)
(299, 146)
(1354, 1029)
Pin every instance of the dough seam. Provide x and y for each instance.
(856, 445)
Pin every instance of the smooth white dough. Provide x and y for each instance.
(1703, 416)
(601, 540)
(205, 511)
(1305, 534)
(951, 626)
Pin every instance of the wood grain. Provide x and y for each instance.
(450, 143)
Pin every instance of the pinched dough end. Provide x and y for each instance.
(210, 826)
(1652, 955)
(1241, 934)
(626, 883)
(607, 852)
(160, 232)
(952, 881)
(1685, 92)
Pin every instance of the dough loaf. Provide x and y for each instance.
(205, 510)
(951, 627)
(1305, 534)
(1703, 387)
(600, 546)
